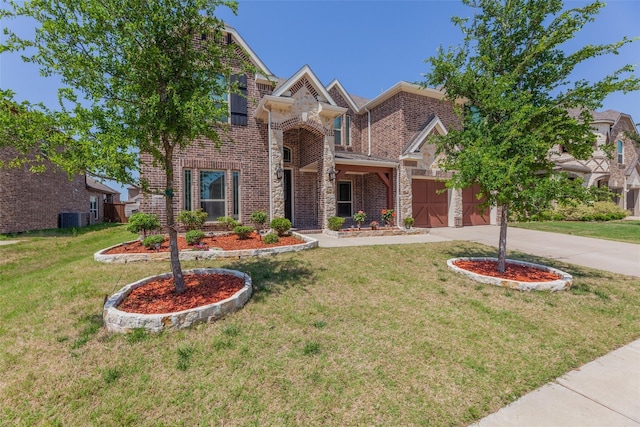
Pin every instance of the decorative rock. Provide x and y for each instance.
(561, 284)
(120, 321)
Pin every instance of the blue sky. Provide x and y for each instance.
(368, 45)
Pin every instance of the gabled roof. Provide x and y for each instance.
(252, 55)
(305, 71)
(352, 104)
(99, 187)
(433, 123)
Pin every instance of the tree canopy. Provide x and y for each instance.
(516, 79)
(138, 76)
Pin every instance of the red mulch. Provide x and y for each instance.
(225, 242)
(521, 273)
(158, 296)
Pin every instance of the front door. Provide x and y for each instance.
(288, 195)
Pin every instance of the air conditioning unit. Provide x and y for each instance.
(73, 219)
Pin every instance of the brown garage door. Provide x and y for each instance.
(471, 212)
(430, 209)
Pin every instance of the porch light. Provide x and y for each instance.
(279, 173)
(332, 174)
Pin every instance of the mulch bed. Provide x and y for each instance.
(521, 273)
(158, 296)
(228, 242)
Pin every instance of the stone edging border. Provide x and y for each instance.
(375, 233)
(557, 285)
(120, 321)
(309, 243)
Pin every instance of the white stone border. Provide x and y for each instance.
(561, 284)
(121, 321)
(190, 255)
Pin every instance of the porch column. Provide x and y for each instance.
(455, 207)
(277, 185)
(405, 196)
(327, 189)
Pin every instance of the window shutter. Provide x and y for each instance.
(239, 102)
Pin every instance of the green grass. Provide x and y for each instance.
(621, 231)
(381, 335)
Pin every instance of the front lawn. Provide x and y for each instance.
(621, 231)
(380, 335)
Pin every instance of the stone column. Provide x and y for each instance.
(455, 207)
(405, 196)
(327, 189)
(277, 185)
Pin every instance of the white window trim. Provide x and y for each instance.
(620, 151)
(93, 200)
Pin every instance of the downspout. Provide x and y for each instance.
(368, 130)
(270, 166)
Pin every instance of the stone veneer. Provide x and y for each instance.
(120, 321)
(561, 284)
(191, 255)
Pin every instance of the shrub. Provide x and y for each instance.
(597, 211)
(408, 222)
(335, 223)
(270, 238)
(142, 223)
(243, 231)
(259, 218)
(194, 236)
(153, 241)
(192, 220)
(227, 222)
(280, 225)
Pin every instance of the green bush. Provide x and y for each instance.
(408, 222)
(270, 238)
(192, 220)
(153, 241)
(142, 223)
(227, 222)
(259, 218)
(243, 231)
(597, 211)
(194, 236)
(335, 223)
(280, 225)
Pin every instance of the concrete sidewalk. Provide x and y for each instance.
(605, 392)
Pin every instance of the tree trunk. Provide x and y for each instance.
(502, 245)
(176, 268)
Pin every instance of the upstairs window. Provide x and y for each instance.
(620, 152)
(347, 131)
(239, 101)
(337, 130)
(222, 100)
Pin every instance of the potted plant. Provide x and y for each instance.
(388, 216)
(359, 218)
(374, 225)
(408, 222)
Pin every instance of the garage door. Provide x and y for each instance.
(430, 209)
(471, 212)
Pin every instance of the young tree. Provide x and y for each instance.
(139, 76)
(516, 81)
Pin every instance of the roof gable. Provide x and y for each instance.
(433, 124)
(252, 55)
(352, 104)
(305, 78)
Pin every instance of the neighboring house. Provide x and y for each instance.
(132, 204)
(36, 201)
(620, 171)
(306, 151)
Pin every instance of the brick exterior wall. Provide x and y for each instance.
(32, 201)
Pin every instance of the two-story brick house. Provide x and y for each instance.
(620, 172)
(306, 151)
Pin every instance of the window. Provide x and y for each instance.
(223, 99)
(337, 130)
(212, 194)
(236, 195)
(286, 155)
(620, 152)
(239, 101)
(344, 198)
(93, 207)
(347, 131)
(187, 190)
